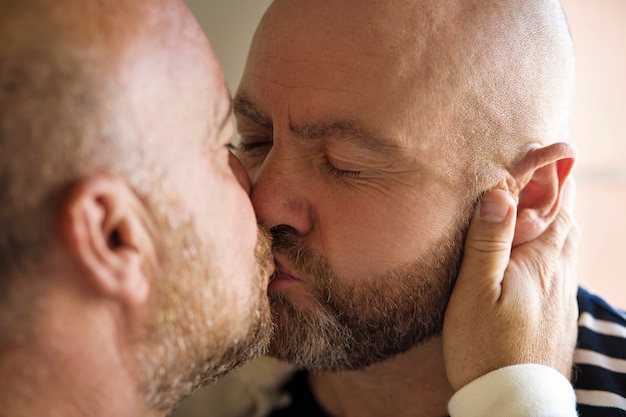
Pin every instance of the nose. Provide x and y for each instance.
(281, 194)
(240, 172)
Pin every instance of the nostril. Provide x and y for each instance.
(279, 197)
(283, 230)
(285, 239)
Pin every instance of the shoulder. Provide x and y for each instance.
(591, 305)
(600, 357)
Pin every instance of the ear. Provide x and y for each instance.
(105, 228)
(539, 178)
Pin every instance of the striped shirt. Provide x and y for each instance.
(600, 358)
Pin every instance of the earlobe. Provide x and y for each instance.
(540, 177)
(104, 227)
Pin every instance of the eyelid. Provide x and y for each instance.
(340, 173)
(249, 127)
(250, 146)
(343, 163)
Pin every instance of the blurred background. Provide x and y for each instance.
(598, 126)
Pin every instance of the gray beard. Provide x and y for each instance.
(351, 327)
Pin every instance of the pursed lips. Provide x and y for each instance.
(282, 275)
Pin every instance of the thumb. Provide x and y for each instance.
(472, 314)
(488, 242)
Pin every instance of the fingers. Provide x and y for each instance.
(553, 239)
(488, 242)
(564, 224)
(555, 245)
(472, 315)
(511, 305)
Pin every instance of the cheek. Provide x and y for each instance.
(234, 219)
(240, 172)
(232, 229)
(371, 236)
(222, 212)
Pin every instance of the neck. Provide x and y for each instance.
(70, 366)
(412, 384)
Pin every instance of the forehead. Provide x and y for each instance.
(367, 61)
(173, 78)
(333, 38)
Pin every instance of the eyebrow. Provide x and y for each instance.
(242, 105)
(339, 128)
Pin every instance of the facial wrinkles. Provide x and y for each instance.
(342, 57)
(352, 325)
(281, 61)
(407, 84)
(388, 168)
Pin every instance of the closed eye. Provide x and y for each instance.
(252, 153)
(340, 173)
(251, 146)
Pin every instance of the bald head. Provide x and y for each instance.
(93, 87)
(516, 62)
(370, 128)
(494, 75)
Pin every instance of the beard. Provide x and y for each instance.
(192, 339)
(354, 325)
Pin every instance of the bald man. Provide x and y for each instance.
(132, 268)
(370, 129)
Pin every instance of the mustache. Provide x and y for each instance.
(302, 258)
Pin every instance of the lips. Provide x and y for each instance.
(282, 277)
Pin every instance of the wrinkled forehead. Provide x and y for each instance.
(371, 61)
(367, 47)
(343, 30)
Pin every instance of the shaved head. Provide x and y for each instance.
(493, 76)
(62, 65)
(379, 124)
(53, 93)
(516, 61)
(127, 93)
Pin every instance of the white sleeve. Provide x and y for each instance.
(527, 390)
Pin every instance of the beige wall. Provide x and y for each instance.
(599, 123)
(229, 24)
(598, 129)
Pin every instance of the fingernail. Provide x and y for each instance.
(494, 206)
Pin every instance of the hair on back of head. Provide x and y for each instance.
(56, 126)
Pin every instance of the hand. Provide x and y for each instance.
(514, 306)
